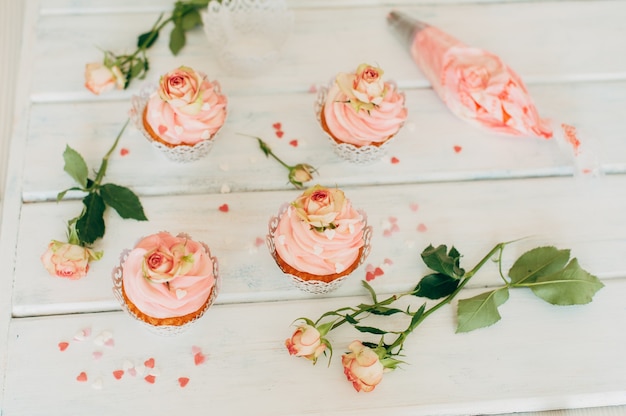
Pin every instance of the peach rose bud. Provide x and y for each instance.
(306, 342)
(100, 78)
(69, 261)
(362, 367)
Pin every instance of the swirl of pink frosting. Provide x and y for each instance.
(364, 127)
(180, 296)
(320, 252)
(175, 126)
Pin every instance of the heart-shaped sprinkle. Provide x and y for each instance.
(132, 371)
(277, 126)
(294, 143)
(394, 160)
(369, 276)
(205, 135)
(63, 345)
(388, 262)
(225, 189)
(182, 381)
(118, 374)
(83, 334)
(109, 343)
(386, 233)
(317, 250)
(82, 377)
(123, 151)
(195, 349)
(258, 242)
(223, 208)
(97, 385)
(104, 338)
(150, 378)
(199, 358)
(178, 129)
(180, 293)
(378, 272)
(393, 219)
(414, 207)
(279, 133)
(96, 355)
(149, 363)
(313, 89)
(422, 228)
(395, 228)
(162, 129)
(330, 233)
(457, 149)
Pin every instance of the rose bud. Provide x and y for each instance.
(306, 342)
(100, 78)
(362, 367)
(67, 260)
(300, 174)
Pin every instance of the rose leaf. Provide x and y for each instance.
(480, 311)
(123, 200)
(146, 40)
(569, 286)
(436, 286)
(437, 259)
(540, 261)
(191, 19)
(75, 166)
(177, 39)
(90, 226)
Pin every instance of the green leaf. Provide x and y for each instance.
(570, 286)
(75, 166)
(177, 38)
(370, 289)
(351, 320)
(123, 200)
(540, 261)
(480, 311)
(385, 311)
(61, 194)
(146, 40)
(137, 69)
(417, 316)
(90, 225)
(370, 330)
(448, 264)
(436, 286)
(191, 19)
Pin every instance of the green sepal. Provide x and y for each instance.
(436, 286)
(123, 200)
(370, 330)
(538, 262)
(383, 310)
(438, 260)
(90, 225)
(75, 166)
(351, 320)
(480, 311)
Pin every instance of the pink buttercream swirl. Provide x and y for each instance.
(187, 108)
(477, 85)
(361, 109)
(167, 276)
(326, 240)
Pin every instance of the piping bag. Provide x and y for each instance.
(477, 86)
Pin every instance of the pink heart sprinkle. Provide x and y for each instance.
(150, 378)
(97, 355)
(395, 228)
(149, 363)
(378, 272)
(132, 371)
(414, 207)
(421, 228)
(387, 233)
(369, 268)
(223, 208)
(118, 374)
(63, 345)
(395, 160)
(388, 262)
(195, 349)
(457, 149)
(313, 88)
(393, 220)
(279, 133)
(123, 151)
(183, 381)
(162, 129)
(277, 126)
(82, 377)
(199, 358)
(258, 242)
(294, 143)
(110, 342)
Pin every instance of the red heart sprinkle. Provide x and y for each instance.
(162, 129)
(223, 208)
(457, 149)
(378, 271)
(150, 378)
(63, 345)
(276, 126)
(258, 242)
(369, 276)
(118, 374)
(123, 151)
(149, 363)
(279, 133)
(421, 228)
(394, 160)
(183, 381)
(294, 143)
(82, 377)
(199, 358)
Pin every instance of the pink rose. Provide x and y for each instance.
(362, 367)
(166, 261)
(306, 342)
(365, 88)
(182, 89)
(477, 85)
(67, 260)
(100, 78)
(319, 206)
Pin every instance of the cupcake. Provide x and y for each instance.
(167, 282)
(319, 239)
(361, 113)
(182, 116)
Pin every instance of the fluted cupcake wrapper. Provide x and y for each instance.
(164, 330)
(179, 153)
(315, 286)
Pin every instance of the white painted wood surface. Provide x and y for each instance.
(498, 188)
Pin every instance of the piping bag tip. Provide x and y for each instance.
(404, 25)
(582, 148)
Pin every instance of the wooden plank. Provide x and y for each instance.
(555, 47)
(585, 216)
(538, 357)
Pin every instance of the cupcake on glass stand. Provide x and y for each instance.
(166, 282)
(319, 239)
(360, 113)
(182, 116)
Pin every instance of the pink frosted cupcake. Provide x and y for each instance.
(361, 113)
(167, 282)
(319, 239)
(183, 115)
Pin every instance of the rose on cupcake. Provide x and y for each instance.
(364, 88)
(164, 263)
(182, 89)
(319, 206)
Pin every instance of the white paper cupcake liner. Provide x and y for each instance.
(180, 153)
(347, 151)
(315, 286)
(165, 330)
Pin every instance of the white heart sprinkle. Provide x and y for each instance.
(280, 239)
(351, 228)
(205, 135)
(330, 234)
(225, 188)
(317, 250)
(180, 293)
(339, 267)
(97, 384)
(178, 129)
(206, 106)
(103, 338)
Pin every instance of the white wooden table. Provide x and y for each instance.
(572, 55)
